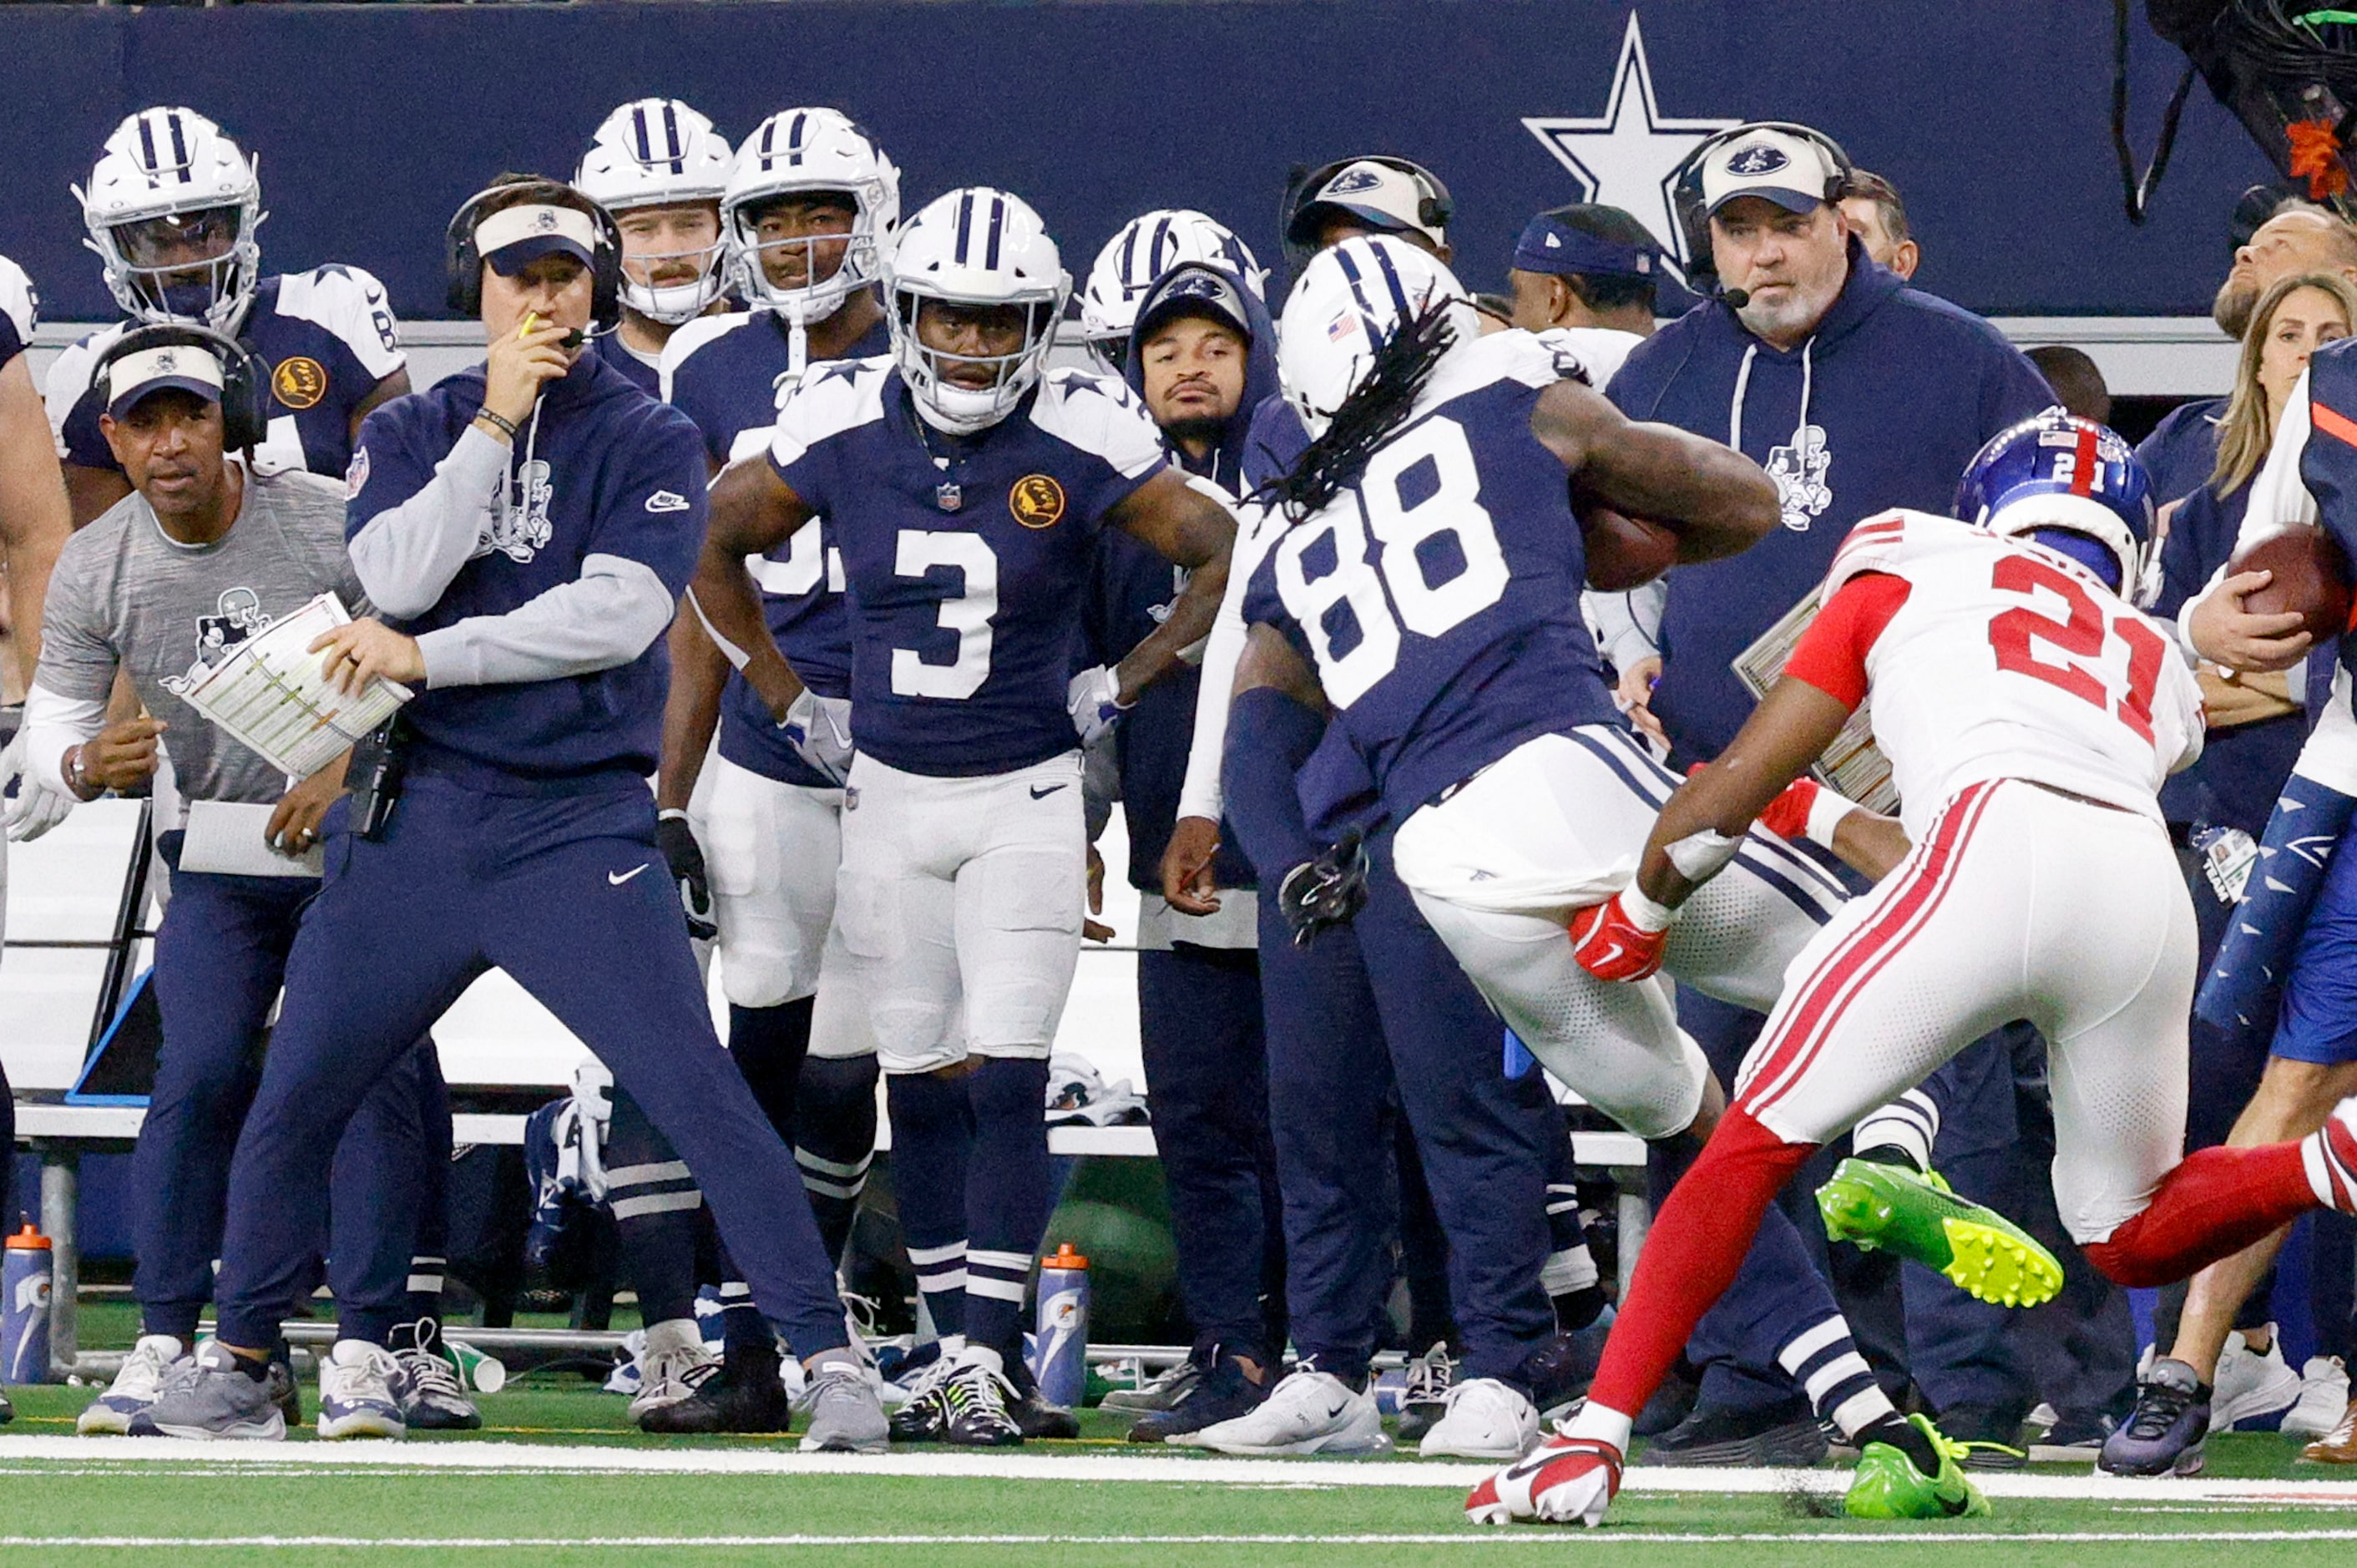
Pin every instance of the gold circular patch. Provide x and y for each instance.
(1036, 500)
(299, 383)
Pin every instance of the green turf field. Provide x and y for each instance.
(560, 1478)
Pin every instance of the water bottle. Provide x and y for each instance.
(24, 1311)
(1061, 1359)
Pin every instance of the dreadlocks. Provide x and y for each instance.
(1376, 406)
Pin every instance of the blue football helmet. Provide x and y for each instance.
(2056, 470)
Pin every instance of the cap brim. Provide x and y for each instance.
(1318, 214)
(1790, 200)
(137, 395)
(511, 259)
(1198, 304)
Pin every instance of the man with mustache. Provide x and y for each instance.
(659, 167)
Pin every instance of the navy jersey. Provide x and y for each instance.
(965, 560)
(602, 470)
(1439, 596)
(324, 338)
(728, 373)
(18, 309)
(634, 368)
(2182, 448)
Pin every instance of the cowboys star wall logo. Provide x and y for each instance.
(1629, 157)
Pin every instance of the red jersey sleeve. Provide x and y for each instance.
(1830, 655)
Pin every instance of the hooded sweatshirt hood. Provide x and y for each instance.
(1224, 464)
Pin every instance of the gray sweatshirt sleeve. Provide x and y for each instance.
(405, 555)
(605, 617)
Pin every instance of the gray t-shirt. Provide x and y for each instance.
(127, 594)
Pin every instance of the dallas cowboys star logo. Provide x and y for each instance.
(1627, 157)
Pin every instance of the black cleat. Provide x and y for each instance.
(977, 1400)
(742, 1394)
(1222, 1393)
(1032, 1410)
(1785, 1435)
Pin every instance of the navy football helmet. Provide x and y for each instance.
(2055, 470)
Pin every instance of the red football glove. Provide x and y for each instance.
(1613, 943)
(1787, 815)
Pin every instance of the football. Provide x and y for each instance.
(2312, 577)
(1623, 552)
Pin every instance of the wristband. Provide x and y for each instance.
(1825, 814)
(500, 420)
(670, 812)
(77, 775)
(1643, 913)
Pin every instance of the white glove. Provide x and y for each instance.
(820, 730)
(36, 808)
(1091, 700)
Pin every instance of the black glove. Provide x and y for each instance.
(1327, 891)
(677, 841)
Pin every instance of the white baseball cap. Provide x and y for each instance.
(1381, 195)
(1793, 172)
(181, 366)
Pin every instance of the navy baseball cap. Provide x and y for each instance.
(1550, 245)
(1194, 289)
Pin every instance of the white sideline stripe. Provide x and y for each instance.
(1555, 1540)
(556, 1459)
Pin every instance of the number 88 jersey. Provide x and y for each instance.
(1988, 657)
(1439, 595)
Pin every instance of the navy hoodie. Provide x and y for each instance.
(1131, 593)
(1882, 406)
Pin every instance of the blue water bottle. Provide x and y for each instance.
(25, 1322)
(1061, 1349)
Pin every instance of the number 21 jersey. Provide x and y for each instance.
(1991, 658)
(965, 561)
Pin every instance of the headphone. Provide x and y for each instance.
(244, 419)
(464, 262)
(1685, 190)
(1434, 205)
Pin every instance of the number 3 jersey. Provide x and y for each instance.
(1990, 658)
(1439, 595)
(965, 561)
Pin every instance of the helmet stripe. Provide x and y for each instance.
(1164, 242)
(672, 139)
(965, 225)
(794, 137)
(646, 152)
(1358, 289)
(179, 149)
(997, 224)
(147, 143)
(769, 143)
(1391, 276)
(1129, 257)
(2082, 470)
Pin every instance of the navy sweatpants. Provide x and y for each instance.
(568, 895)
(1199, 1015)
(219, 958)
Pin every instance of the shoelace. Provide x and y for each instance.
(148, 1361)
(1430, 1376)
(2157, 1408)
(836, 1378)
(428, 1374)
(976, 1389)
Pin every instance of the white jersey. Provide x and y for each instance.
(2009, 661)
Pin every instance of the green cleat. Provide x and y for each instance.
(1888, 1486)
(1987, 1256)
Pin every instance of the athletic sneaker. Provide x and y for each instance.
(1309, 1412)
(2251, 1387)
(2074, 1439)
(1482, 1419)
(1423, 1396)
(1222, 1393)
(2323, 1398)
(977, 1398)
(744, 1393)
(671, 1362)
(844, 1417)
(1785, 1434)
(1564, 1481)
(1036, 1415)
(1990, 1436)
(134, 1387)
(426, 1385)
(1164, 1391)
(1916, 1215)
(356, 1392)
(208, 1396)
(2164, 1435)
(924, 1416)
(1888, 1486)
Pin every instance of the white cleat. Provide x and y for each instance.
(2249, 1386)
(1309, 1412)
(356, 1392)
(1482, 1419)
(135, 1386)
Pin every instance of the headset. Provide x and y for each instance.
(1434, 208)
(245, 420)
(1694, 222)
(464, 262)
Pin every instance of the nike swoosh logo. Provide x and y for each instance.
(617, 879)
(1039, 794)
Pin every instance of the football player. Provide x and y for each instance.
(659, 168)
(809, 205)
(1476, 714)
(2030, 715)
(1142, 252)
(172, 208)
(965, 486)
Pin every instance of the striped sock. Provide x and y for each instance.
(942, 1276)
(1903, 1130)
(1841, 1388)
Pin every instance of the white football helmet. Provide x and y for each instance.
(1348, 302)
(975, 246)
(1146, 247)
(171, 209)
(800, 150)
(658, 152)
